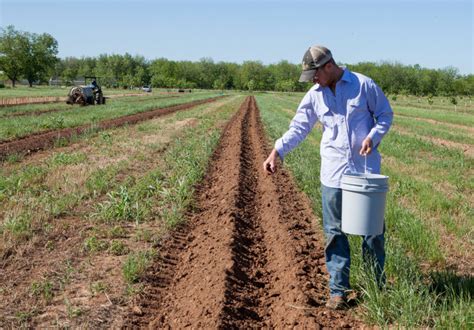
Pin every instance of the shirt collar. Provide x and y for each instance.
(346, 76)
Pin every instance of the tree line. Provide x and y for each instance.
(33, 57)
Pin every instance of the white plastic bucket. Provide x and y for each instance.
(363, 203)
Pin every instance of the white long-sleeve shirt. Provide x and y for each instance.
(359, 109)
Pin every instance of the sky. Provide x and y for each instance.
(434, 34)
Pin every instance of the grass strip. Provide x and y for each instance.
(421, 178)
(446, 116)
(418, 127)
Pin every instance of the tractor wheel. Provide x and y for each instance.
(100, 99)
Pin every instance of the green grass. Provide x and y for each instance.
(135, 265)
(98, 287)
(409, 300)
(17, 227)
(439, 299)
(72, 311)
(42, 289)
(118, 248)
(62, 158)
(103, 179)
(93, 244)
(25, 178)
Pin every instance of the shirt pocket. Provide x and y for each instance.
(356, 106)
(329, 126)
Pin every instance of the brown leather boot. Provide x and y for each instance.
(336, 303)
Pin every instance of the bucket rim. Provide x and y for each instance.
(365, 176)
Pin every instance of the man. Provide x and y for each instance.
(355, 115)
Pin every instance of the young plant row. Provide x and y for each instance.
(413, 296)
(461, 104)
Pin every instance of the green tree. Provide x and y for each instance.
(284, 76)
(87, 67)
(13, 49)
(70, 69)
(254, 76)
(40, 57)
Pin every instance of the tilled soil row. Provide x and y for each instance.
(249, 256)
(9, 102)
(43, 140)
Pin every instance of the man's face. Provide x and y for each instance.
(321, 76)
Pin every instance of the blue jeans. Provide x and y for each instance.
(338, 256)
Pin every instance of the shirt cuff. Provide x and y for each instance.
(279, 148)
(375, 137)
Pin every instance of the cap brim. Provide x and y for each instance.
(307, 75)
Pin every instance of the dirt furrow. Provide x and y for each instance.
(250, 255)
(43, 140)
(248, 280)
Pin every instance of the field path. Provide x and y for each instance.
(249, 257)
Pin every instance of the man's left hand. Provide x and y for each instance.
(366, 147)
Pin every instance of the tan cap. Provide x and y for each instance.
(314, 57)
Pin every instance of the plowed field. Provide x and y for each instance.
(172, 222)
(250, 256)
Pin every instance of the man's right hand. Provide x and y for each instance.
(270, 164)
